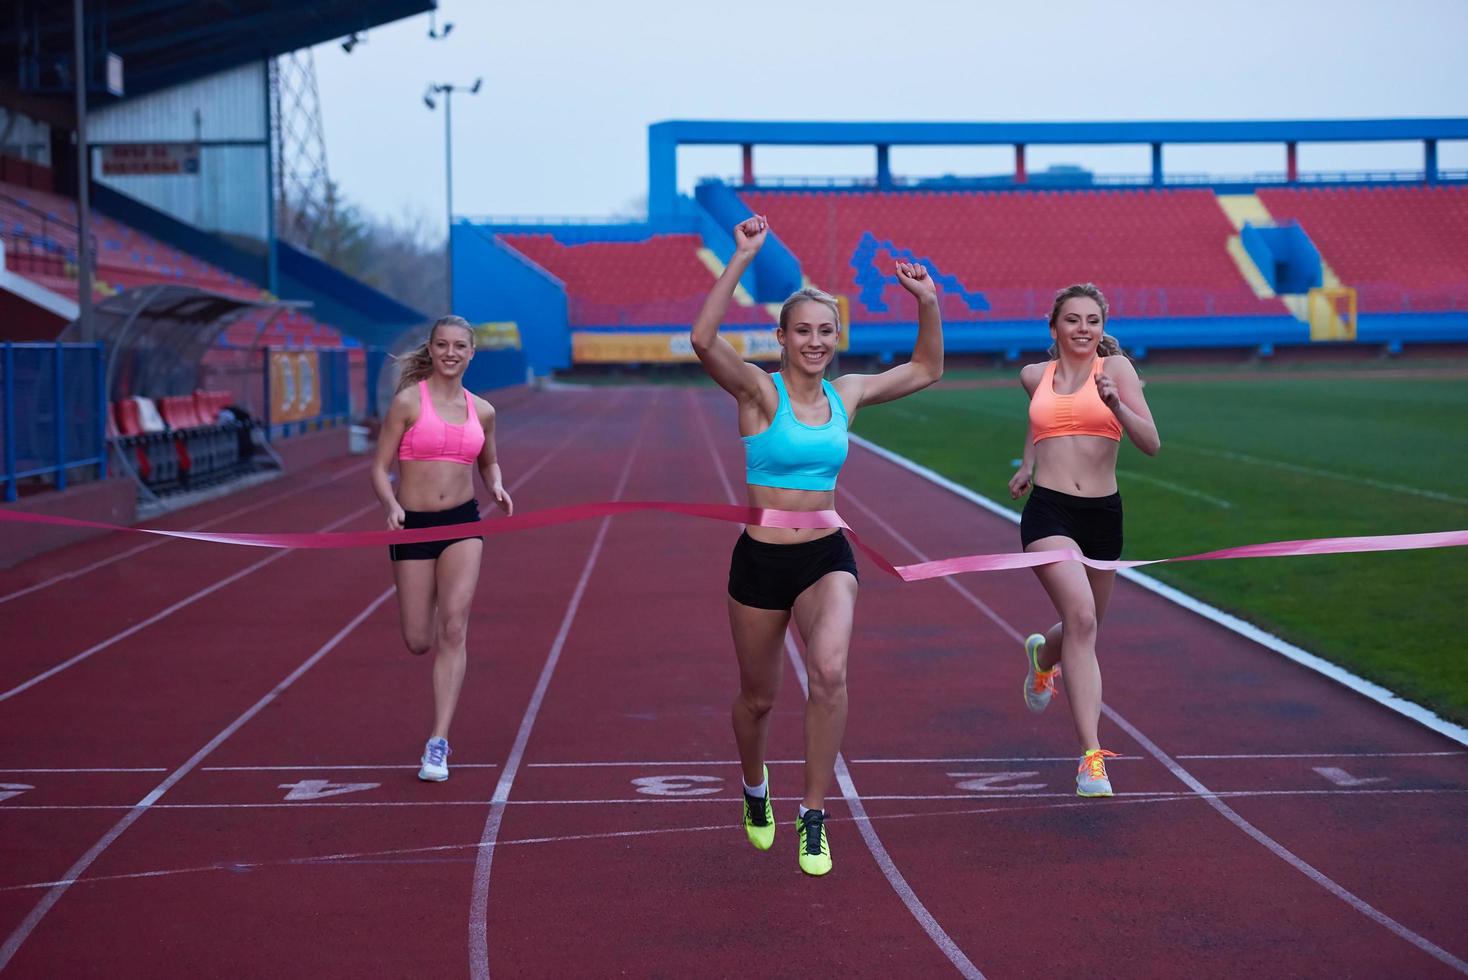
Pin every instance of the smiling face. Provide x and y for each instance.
(451, 348)
(1078, 326)
(809, 336)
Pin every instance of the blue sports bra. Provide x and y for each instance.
(793, 455)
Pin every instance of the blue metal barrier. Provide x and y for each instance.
(54, 412)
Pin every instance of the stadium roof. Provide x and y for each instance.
(165, 42)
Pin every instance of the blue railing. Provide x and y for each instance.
(305, 389)
(54, 410)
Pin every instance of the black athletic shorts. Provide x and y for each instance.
(1094, 523)
(465, 513)
(770, 576)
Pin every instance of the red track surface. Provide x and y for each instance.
(592, 747)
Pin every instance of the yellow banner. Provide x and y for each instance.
(656, 348)
(497, 335)
(295, 389)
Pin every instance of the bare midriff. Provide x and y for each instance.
(434, 484)
(780, 498)
(1082, 466)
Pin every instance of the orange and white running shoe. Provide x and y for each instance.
(1091, 778)
(1039, 684)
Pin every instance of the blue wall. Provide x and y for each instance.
(776, 269)
(495, 283)
(1285, 255)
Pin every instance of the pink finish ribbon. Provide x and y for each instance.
(762, 517)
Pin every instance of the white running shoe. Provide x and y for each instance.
(1091, 778)
(435, 761)
(1039, 684)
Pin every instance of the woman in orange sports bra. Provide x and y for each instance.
(440, 433)
(1081, 402)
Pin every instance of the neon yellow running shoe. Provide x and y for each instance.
(1091, 778)
(1039, 684)
(815, 847)
(759, 817)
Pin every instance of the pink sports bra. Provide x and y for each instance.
(1081, 413)
(432, 439)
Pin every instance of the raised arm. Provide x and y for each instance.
(926, 364)
(1121, 390)
(719, 358)
(399, 417)
(489, 462)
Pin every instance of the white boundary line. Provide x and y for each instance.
(479, 900)
(1355, 902)
(170, 610)
(53, 896)
(160, 542)
(889, 869)
(894, 877)
(1223, 794)
(1305, 658)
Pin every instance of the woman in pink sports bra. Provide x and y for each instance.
(1081, 402)
(439, 432)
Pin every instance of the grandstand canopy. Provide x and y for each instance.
(165, 42)
(664, 138)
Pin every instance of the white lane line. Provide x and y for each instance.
(163, 614)
(1328, 755)
(1284, 854)
(479, 901)
(1187, 778)
(1237, 457)
(724, 763)
(63, 771)
(159, 542)
(1176, 488)
(683, 800)
(134, 813)
(894, 877)
(1228, 621)
(323, 767)
(240, 866)
(190, 600)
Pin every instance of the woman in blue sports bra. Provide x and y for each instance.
(794, 425)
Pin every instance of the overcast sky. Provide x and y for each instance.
(570, 87)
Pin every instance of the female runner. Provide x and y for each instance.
(794, 425)
(1081, 401)
(440, 433)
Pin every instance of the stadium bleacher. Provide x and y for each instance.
(1403, 249)
(655, 282)
(1159, 252)
(39, 231)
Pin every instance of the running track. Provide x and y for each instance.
(209, 758)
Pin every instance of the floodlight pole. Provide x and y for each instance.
(448, 193)
(83, 180)
(447, 91)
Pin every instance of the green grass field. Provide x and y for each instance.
(1259, 459)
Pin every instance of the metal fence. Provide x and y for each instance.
(53, 413)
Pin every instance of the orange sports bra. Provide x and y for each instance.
(430, 438)
(1082, 413)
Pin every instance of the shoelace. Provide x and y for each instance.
(1045, 679)
(755, 809)
(1095, 761)
(813, 824)
(437, 753)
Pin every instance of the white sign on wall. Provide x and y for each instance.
(120, 159)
